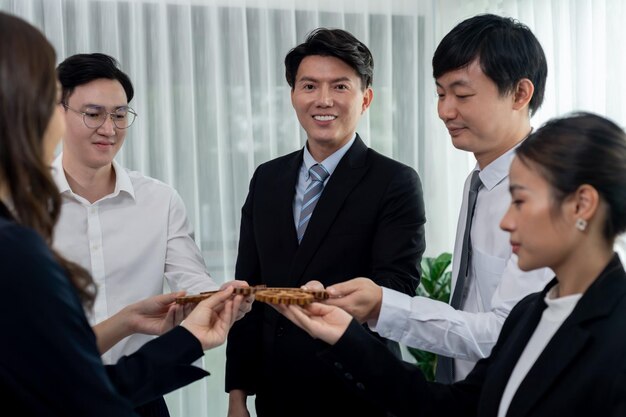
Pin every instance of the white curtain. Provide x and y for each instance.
(213, 102)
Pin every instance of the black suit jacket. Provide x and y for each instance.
(581, 372)
(369, 222)
(49, 360)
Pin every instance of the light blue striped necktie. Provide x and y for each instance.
(318, 175)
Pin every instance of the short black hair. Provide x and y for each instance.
(337, 43)
(507, 51)
(81, 69)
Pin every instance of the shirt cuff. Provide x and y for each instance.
(395, 308)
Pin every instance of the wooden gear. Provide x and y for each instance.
(289, 296)
(272, 295)
(196, 298)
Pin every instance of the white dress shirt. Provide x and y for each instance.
(495, 282)
(129, 241)
(558, 309)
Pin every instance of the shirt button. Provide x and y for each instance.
(280, 331)
(338, 365)
(348, 376)
(360, 386)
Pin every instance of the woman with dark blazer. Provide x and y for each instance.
(561, 352)
(49, 359)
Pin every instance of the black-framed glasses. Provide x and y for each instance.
(95, 116)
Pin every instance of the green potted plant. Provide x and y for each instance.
(434, 284)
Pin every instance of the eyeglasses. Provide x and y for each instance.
(95, 116)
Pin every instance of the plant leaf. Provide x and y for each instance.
(434, 284)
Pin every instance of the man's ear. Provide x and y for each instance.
(523, 93)
(368, 96)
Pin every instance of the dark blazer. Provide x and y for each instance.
(581, 372)
(368, 222)
(49, 360)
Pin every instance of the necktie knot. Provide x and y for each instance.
(475, 182)
(318, 173)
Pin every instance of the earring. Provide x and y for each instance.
(581, 224)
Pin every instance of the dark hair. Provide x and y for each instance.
(81, 69)
(582, 148)
(506, 49)
(28, 95)
(332, 42)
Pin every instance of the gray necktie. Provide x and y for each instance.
(445, 365)
(318, 175)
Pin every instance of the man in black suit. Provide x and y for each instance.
(329, 212)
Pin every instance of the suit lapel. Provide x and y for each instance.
(509, 353)
(569, 340)
(283, 194)
(346, 176)
(561, 351)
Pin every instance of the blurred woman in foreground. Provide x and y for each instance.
(49, 359)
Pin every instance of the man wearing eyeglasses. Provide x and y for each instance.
(130, 231)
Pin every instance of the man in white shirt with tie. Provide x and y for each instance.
(490, 74)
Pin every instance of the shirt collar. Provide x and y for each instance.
(122, 179)
(498, 170)
(329, 163)
(59, 175)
